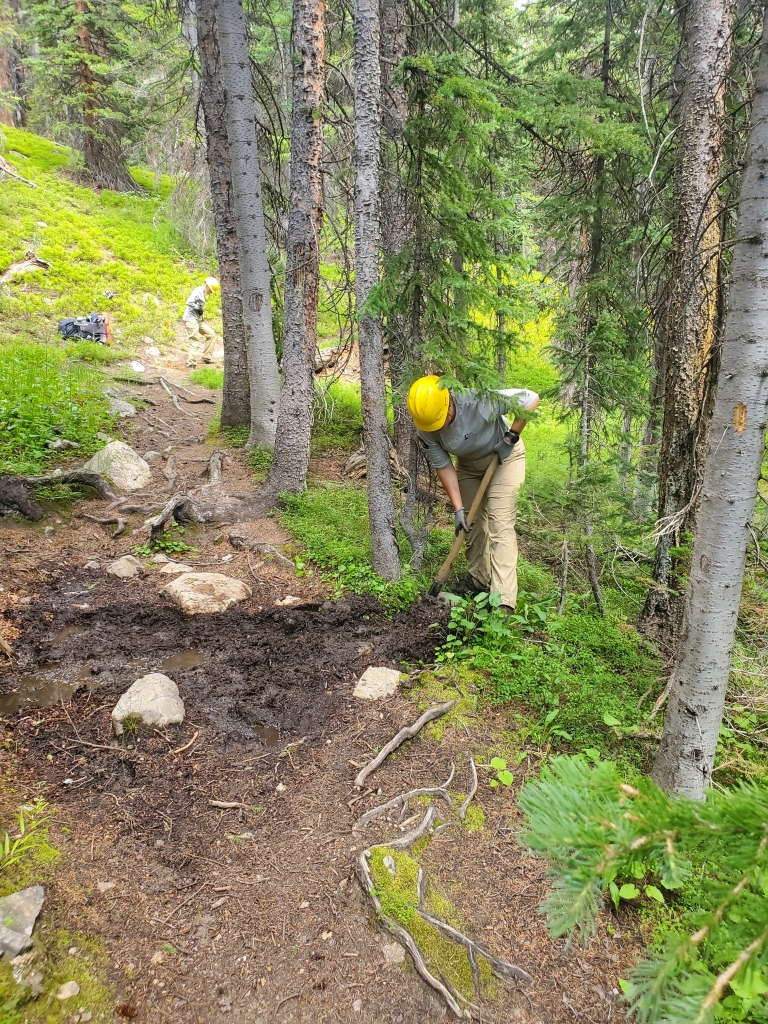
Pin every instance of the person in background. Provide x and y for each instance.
(197, 328)
(474, 429)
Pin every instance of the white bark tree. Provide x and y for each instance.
(381, 506)
(735, 450)
(251, 234)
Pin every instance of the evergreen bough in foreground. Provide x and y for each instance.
(601, 835)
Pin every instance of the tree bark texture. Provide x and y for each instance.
(103, 151)
(236, 399)
(397, 222)
(249, 214)
(381, 506)
(12, 111)
(302, 274)
(690, 329)
(736, 441)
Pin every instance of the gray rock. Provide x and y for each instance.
(18, 913)
(376, 683)
(159, 557)
(393, 953)
(153, 700)
(119, 463)
(25, 975)
(125, 568)
(204, 593)
(93, 564)
(62, 445)
(49, 531)
(67, 990)
(152, 456)
(119, 407)
(174, 568)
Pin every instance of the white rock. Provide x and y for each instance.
(41, 224)
(105, 886)
(93, 564)
(174, 568)
(280, 787)
(160, 557)
(62, 445)
(125, 568)
(67, 990)
(153, 350)
(390, 865)
(357, 1005)
(138, 367)
(288, 600)
(18, 913)
(154, 700)
(119, 463)
(204, 593)
(393, 953)
(376, 683)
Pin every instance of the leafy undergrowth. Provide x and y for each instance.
(208, 377)
(45, 396)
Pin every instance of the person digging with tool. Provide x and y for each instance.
(474, 429)
(197, 328)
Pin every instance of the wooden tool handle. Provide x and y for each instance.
(445, 568)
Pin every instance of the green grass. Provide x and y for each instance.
(338, 419)
(42, 397)
(208, 377)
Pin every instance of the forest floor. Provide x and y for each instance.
(193, 912)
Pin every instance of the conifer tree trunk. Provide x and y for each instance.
(102, 148)
(381, 507)
(692, 311)
(732, 469)
(12, 112)
(397, 224)
(236, 399)
(302, 275)
(249, 213)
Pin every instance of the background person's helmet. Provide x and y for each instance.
(212, 283)
(428, 403)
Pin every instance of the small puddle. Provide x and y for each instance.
(184, 659)
(67, 633)
(267, 735)
(37, 692)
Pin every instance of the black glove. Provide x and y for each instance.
(460, 522)
(506, 445)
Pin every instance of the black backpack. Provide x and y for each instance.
(86, 328)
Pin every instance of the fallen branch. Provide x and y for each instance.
(122, 524)
(472, 790)
(406, 733)
(5, 647)
(229, 804)
(7, 169)
(660, 701)
(404, 938)
(402, 801)
(180, 750)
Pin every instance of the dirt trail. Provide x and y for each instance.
(259, 902)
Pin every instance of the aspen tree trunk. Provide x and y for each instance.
(102, 150)
(249, 213)
(302, 275)
(732, 469)
(397, 224)
(381, 507)
(236, 398)
(12, 112)
(692, 311)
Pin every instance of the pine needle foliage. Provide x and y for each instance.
(605, 837)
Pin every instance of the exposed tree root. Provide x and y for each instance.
(503, 970)
(174, 398)
(406, 733)
(402, 802)
(118, 521)
(406, 842)
(17, 492)
(472, 791)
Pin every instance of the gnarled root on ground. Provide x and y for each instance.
(17, 492)
(402, 802)
(406, 733)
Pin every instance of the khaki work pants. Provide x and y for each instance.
(200, 332)
(492, 541)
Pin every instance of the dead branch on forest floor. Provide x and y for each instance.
(9, 170)
(406, 733)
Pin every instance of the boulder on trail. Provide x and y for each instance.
(125, 568)
(376, 683)
(119, 463)
(18, 913)
(204, 593)
(152, 700)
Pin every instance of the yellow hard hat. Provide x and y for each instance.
(212, 283)
(428, 403)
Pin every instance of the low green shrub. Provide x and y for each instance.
(208, 377)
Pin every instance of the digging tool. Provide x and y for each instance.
(445, 568)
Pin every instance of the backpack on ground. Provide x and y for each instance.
(95, 327)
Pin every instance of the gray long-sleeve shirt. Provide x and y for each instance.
(195, 307)
(477, 427)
